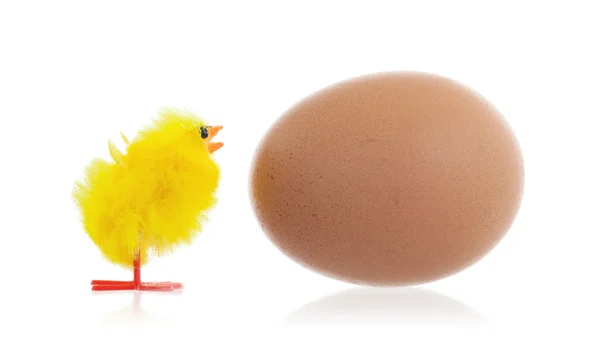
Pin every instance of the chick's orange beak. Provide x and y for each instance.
(214, 146)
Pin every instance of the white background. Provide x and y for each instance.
(74, 74)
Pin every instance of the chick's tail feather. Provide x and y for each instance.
(111, 221)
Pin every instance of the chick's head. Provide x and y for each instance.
(176, 136)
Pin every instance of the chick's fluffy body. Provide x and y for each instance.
(155, 197)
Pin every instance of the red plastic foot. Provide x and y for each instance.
(160, 286)
(114, 285)
(109, 285)
(106, 282)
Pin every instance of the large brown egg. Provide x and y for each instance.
(388, 179)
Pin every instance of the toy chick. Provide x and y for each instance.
(152, 198)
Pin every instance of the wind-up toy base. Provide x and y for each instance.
(135, 284)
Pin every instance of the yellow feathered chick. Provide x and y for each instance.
(151, 198)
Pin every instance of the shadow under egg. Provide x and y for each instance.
(384, 306)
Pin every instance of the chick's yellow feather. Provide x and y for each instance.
(154, 196)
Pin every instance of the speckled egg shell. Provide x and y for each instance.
(388, 179)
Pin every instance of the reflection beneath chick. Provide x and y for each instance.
(365, 305)
(135, 315)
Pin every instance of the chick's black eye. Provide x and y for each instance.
(203, 132)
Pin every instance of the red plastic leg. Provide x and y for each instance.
(135, 284)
